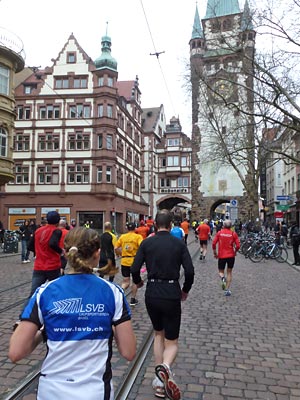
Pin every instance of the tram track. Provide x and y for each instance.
(123, 383)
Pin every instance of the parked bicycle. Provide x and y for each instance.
(265, 249)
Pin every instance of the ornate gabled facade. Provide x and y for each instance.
(77, 143)
(166, 162)
(11, 62)
(221, 50)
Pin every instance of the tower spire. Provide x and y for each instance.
(246, 23)
(197, 27)
(106, 60)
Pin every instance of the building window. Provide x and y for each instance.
(109, 111)
(100, 110)
(109, 142)
(183, 161)
(173, 142)
(163, 162)
(21, 174)
(71, 58)
(129, 183)
(3, 142)
(100, 81)
(137, 162)
(61, 83)
(79, 111)
(108, 174)
(50, 112)
(215, 26)
(120, 148)
(23, 112)
(129, 130)
(100, 141)
(137, 138)
(129, 155)
(227, 25)
(173, 161)
(99, 174)
(4, 80)
(78, 174)
(27, 89)
(80, 83)
(183, 182)
(48, 142)
(293, 185)
(21, 142)
(110, 81)
(165, 182)
(136, 186)
(48, 174)
(120, 179)
(79, 141)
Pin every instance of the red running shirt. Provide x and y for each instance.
(228, 243)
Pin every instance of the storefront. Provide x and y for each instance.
(17, 217)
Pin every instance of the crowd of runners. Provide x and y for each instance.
(74, 271)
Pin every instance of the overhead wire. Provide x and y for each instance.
(157, 56)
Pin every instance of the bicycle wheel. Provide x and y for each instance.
(273, 251)
(283, 256)
(256, 255)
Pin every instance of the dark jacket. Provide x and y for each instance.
(295, 235)
(164, 255)
(24, 232)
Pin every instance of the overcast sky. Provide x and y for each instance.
(44, 27)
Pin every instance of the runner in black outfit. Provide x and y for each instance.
(164, 255)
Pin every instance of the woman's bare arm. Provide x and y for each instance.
(24, 340)
(126, 340)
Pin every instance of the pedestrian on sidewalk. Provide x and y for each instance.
(228, 245)
(78, 361)
(164, 255)
(25, 235)
(295, 239)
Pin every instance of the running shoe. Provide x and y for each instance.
(227, 292)
(133, 302)
(165, 375)
(159, 389)
(223, 282)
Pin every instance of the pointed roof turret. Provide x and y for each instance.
(106, 60)
(197, 27)
(246, 23)
(218, 8)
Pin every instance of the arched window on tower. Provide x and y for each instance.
(227, 24)
(3, 142)
(215, 26)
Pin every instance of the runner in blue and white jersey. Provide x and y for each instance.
(80, 314)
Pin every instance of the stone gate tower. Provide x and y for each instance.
(221, 54)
